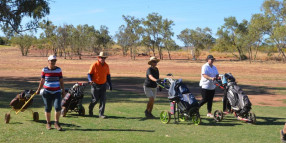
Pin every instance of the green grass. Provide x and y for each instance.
(126, 123)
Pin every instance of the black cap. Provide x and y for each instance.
(210, 57)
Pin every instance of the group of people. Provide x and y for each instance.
(53, 87)
(209, 74)
(99, 75)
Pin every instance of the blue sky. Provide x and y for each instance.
(184, 13)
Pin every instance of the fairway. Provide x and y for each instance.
(264, 82)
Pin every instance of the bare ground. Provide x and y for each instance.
(264, 82)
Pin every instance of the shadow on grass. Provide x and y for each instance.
(62, 124)
(72, 127)
(126, 89)
(270, 121)
(113, 117)
(116, 130)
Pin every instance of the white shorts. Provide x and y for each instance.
(150, 92)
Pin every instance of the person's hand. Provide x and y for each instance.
(38, 91)
(212, 78)
(63, 93)
(110, 88)
(160, 88)
(158, 80)
(91, 82)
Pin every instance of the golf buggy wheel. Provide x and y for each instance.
(218, 115)
(35, 116)
(252, 117)
(182, 118)
(165, 117)
(7, 118)
(81, 112)
(64, 112)
(196, 118)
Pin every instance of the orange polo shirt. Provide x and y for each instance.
(99, 72)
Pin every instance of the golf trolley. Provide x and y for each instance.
(183, 105)
(73, 100)
(21, 103)
(237, 102)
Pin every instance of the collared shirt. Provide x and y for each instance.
(99, 72)
(211, 72)
(52, 79)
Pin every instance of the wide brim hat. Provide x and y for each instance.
(210, 57)
(153, 59)
(103, 54)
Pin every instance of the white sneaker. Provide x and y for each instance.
(210, 115)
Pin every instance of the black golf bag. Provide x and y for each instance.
(237, 99)
(180, 93)
(73, 99)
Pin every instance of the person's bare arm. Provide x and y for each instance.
(152, 78)
(62, 86)
(208, 77)
(42, 81)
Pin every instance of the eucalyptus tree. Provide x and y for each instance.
(197, 39)
(62, 39)
(134, 31)
(275, 12)
(12, 13)
(49, 33)
(123, 39)
(167, 34)
(153, 25)
(257, 28)
(24, 42)
(103, 37)
(231, 36)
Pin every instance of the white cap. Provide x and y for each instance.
(52, 57)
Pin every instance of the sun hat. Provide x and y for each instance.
(52, 57)
(210, 57)
(102, 54)
(153, 59)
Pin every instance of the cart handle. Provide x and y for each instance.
(26, 103)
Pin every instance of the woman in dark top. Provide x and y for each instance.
(150, 85)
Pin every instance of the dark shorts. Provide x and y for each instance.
(50, 99)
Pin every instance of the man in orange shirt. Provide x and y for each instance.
(98, 75)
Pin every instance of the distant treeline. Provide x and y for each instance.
(265, 32)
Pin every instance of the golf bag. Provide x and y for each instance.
(73, 99)
(237, 99)
(21, 98)
(180, 93)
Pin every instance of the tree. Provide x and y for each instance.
(103, 37)
(257, 28)
(134, 31)
(275, 11)
(153, 28)
(198, 39)
(231, 36)
(49, 35)
(24, 42)
(168, 42)
(12, 12)
(62, 39)
(123, 39)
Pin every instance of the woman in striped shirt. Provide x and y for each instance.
(52, 81)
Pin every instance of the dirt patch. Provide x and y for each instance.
(262, 81)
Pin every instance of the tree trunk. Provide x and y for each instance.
(256, 49)
(169, 54)
(282, 53)
(239, 52)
